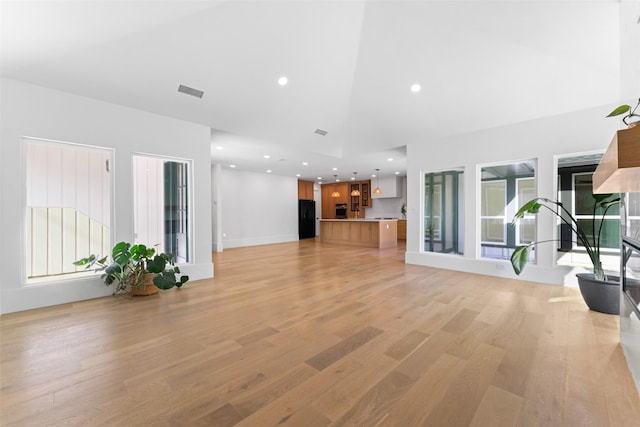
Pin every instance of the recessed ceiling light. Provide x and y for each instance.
(335, 169)
(373, 175)
(219, 148)
(389, 159)
(298, 175)
(319, 177)
(282, 81)
(415, 88)
(268, 170)
(397, 173)
(232, 166)
(266, 156)
(305, 164)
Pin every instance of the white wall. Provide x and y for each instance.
(630, 51)
(216, 207)
(29, 110)
(581, 132)
(390, 207)
(257, 208)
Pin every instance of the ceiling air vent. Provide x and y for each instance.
(190, 91)
(321, 132)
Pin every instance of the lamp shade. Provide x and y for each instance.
(355, 192)
(335, 192)
(377, 190)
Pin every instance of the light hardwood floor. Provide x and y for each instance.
(305, 334)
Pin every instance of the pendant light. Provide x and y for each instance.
(335, 190)
(356, 192)
(377, 190)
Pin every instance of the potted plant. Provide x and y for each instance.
(136, 269)
(600, 292)
(631, 113)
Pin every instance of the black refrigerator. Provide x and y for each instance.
(306, 219)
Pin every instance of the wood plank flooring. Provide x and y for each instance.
(311, 334)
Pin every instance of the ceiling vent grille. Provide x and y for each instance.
(190, 91)
(321, 132)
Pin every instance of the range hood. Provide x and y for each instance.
(619, 169)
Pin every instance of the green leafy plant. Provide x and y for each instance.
(520, 256)
(624, 109)
(129, 263)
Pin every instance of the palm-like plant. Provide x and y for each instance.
(520, 256)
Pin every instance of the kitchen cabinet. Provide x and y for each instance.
(358, 203)
(305, 190)
(402, 229)
(329, 203)
(363, 232)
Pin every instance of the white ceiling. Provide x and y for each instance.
(350, 65)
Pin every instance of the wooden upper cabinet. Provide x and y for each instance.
(364, 199)
(329, 203)
(365, 194)
(305, 190)
(343, 189)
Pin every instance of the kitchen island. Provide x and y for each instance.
(372, 233)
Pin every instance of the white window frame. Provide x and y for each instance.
(30, 280)
(519, 204)
(190, 197)
(575, 241)
(501, 217)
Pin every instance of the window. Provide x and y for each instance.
(68, 205)
(582, 211)
(633, 215)
(504, 189)
(575, 186)
(526, 230)
(443, 223)
(161, 205)
(493, 218)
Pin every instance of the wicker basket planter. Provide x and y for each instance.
(145, 287)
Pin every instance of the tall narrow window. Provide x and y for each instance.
(68, 205)
(162, 205)
(493, 217)
(583, 208)
(503, 190)
(526, 230)
(575, 187)
(443, 223)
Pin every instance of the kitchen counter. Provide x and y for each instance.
(369, 232)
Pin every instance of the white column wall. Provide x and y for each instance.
(216, 207)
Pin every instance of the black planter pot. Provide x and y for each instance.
(599, 295)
